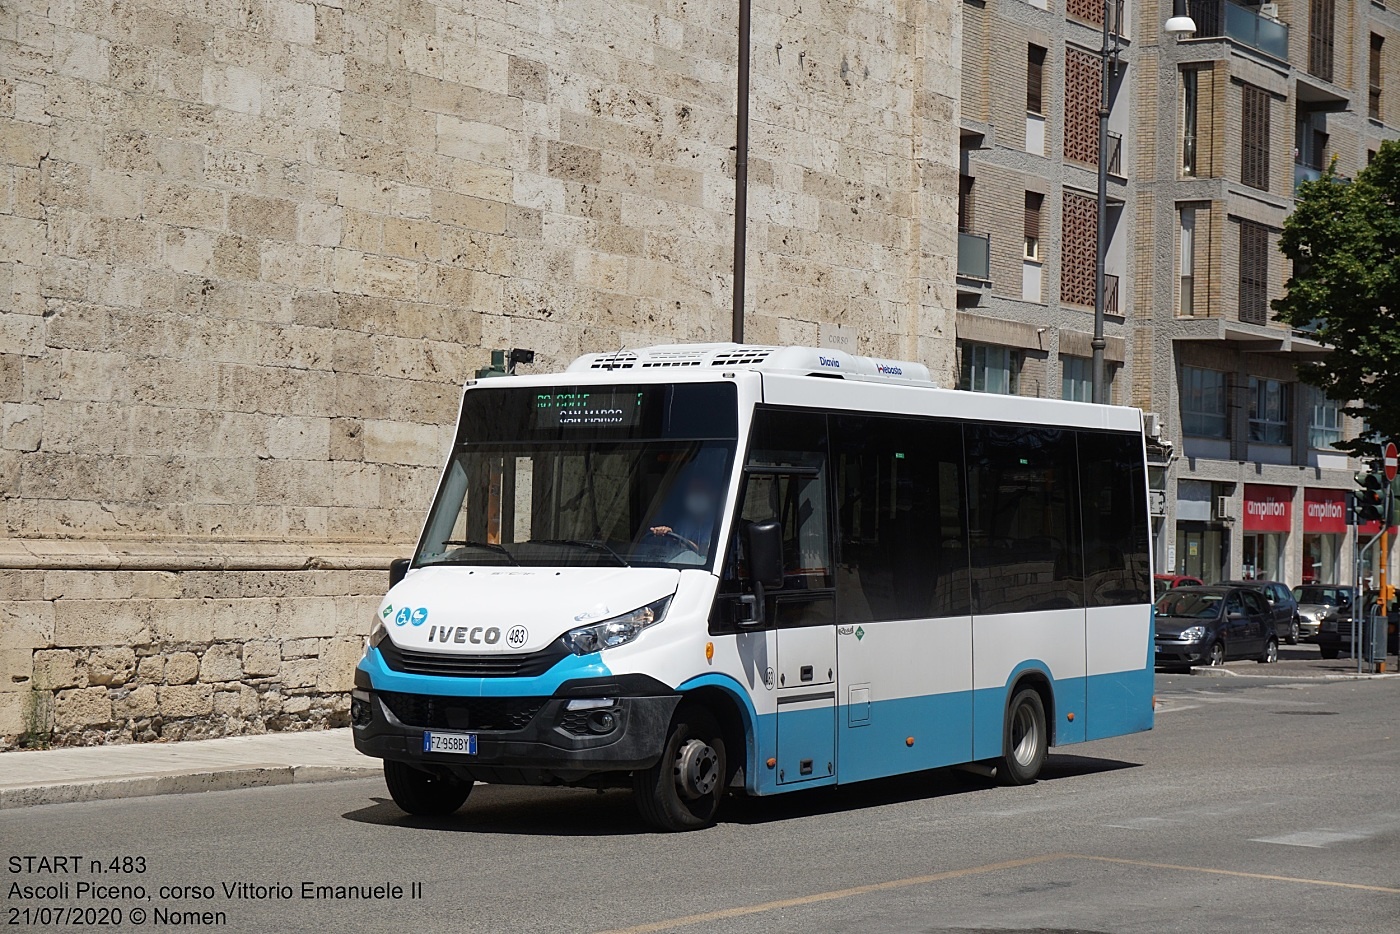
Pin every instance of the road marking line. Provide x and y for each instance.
(1173, 709)
(1243, 875)
(817, 897)
(1313, 838)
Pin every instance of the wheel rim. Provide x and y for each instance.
(1025, 736)
(1217, 655)
(697, 769)
(1272, 652)
(1294, 632)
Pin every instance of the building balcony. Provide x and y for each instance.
(974, 256)
(1304, 173)
(1223, 19)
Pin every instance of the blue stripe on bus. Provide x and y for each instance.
(384, 678)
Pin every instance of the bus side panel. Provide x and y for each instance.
(1119, 657)
(902, 680)
(1004, 646)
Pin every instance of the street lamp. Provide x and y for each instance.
(1182, 26)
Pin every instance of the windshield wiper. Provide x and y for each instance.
(488, 546)
(581, 543)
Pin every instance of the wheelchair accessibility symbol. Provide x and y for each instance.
(401, 618)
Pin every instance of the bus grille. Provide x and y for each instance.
(463, 713)
(411, 661)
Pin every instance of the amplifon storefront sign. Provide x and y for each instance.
(1268, 508)
(1324, 512)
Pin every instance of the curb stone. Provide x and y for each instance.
(176, 783)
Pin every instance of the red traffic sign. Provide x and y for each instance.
(1391, 460)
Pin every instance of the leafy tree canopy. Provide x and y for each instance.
(1344, 241)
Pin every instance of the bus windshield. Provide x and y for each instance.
(620, 476)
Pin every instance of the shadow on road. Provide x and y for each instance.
(572, 812)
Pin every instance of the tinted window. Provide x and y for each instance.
(1113, 491)
(1189, 605)
(1023, 517)
(1255, 603)
(899, 507)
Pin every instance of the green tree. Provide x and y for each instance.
(1344, 241)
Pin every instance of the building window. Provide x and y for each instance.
(1035, 79)
(1324, 421)
(1254, 273)
(1079, 224)
(1188, 121)
(1034, 201)
(1254, 161)
(1377, 42)
(1269, 411)
(991, 368)
(1322, 14)
(1077, 379)
(1083, 87)
(1186, 263)
(1204, 412)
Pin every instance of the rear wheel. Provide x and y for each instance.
(683, 790)
(1328, 651)
(1270, 654)
(419, 792)
(1026, 741)
(1217, 655)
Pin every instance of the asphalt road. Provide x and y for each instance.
(1255, 805)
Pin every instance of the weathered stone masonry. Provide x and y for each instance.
(249, 251)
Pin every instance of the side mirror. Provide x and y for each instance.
(1235, 614)
(398, 569)
(765, 540)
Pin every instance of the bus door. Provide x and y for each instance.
(802, 614)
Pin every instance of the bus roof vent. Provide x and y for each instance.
(805, 361)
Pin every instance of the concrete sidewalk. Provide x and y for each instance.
(89, 773)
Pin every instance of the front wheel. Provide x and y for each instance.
(683, 790)
(1328, 651)
(1270, 654)
(1217, 655)
(1026, 741)
(424, 793)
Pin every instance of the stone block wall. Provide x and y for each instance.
(250, 252)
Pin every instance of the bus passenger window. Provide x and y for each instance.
(903, 543)
(1024, 518)
(1113, 494)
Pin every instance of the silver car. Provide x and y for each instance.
(1319, 604)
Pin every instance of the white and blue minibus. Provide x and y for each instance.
(696, 570)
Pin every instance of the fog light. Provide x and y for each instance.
(602, 722)
(361, 713)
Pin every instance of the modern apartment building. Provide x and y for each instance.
(1209, 138)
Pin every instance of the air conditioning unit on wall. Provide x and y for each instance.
(1152, 425)
(1222, 509)
(1269, 11)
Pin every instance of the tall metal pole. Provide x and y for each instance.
(1109, 55)
(741, 172)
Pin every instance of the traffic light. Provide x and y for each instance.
(1370, 499)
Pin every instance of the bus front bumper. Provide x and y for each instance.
(519, 740)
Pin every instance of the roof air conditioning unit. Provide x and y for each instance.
(1269, 11)
(1222, 509)
(1152, 425)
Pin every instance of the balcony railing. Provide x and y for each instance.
(1304, 173)
(974, 256)
(1216, 18)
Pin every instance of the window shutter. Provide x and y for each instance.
(1254, 273)
(1035, 78)
(1032, 222)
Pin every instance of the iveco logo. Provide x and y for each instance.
(828, 361)
(476, 635)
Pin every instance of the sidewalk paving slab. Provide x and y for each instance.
(91, 773)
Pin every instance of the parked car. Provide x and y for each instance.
(1287, 622)
(1335, 620)
(1211, 625)
(1318, 604)
(1168, 581)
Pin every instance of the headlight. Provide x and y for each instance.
(1193, 634)
(377, 634)
(616, 631)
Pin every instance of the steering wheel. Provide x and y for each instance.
(679, 539)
